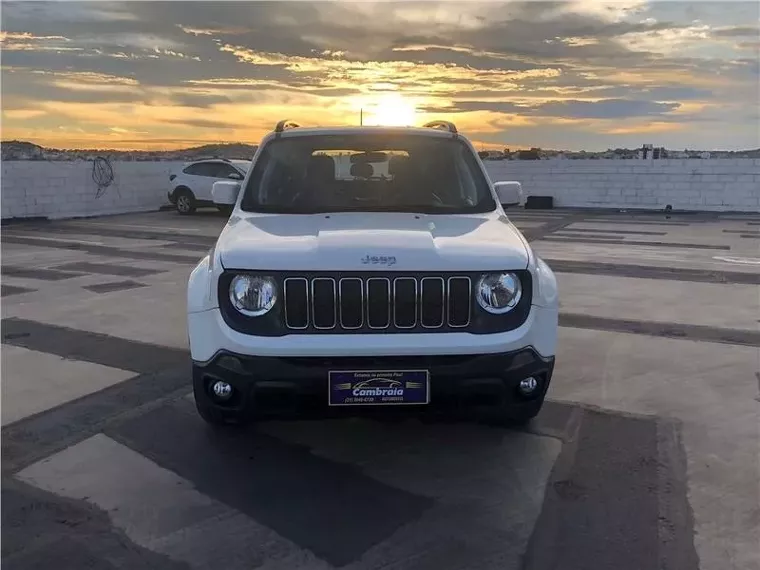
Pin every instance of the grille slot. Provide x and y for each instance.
(296, 302)
(459, 304)
(405, 302)
(351, 303)
(432, 302)
(369, 303)
(378, 302)
(323, 303)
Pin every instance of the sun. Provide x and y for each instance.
(390, 110)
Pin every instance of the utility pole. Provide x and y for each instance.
(361, 117)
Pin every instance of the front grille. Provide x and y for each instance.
(403, 303)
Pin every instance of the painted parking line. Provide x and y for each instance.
(108, 269)
(51, 239)
(108, 251)
(8, 290)
(37, 381)
(162, 511)
(133, 226)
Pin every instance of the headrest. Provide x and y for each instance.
(362, 170)
(321, 167)
(399, 165)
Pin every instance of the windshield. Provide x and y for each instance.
(368, 173)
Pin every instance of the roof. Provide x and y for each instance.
(235, 161)
(349, 129)
(355, 130)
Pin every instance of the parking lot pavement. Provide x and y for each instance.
(646, 456)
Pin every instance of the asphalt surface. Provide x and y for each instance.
(645, 457)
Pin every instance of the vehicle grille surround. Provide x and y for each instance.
(374, 302)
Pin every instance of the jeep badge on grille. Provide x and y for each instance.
(379, 260)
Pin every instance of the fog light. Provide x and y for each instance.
(528, 386)
(222, 390)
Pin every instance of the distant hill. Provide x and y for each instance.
(23, 150)
(226, 150)
(20, 150)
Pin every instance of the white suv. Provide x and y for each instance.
(367, 269)
(190, 188)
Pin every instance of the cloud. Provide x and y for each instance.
(211, 31)
(22, 114)
(737, 31)
(606, 109)
(749, 46)
(668, 40)
(100, 11)
(28, 37)
(572, 109)
(581, 68)
(203, 123)
(199, 99)
(654, 127)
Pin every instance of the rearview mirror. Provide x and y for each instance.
(375, 156)
(235, 176)
(225, 192)
(509, 193)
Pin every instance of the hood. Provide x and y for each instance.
(371, 242)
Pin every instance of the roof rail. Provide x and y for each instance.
(447, 125)
(212, 157)
(285, 124)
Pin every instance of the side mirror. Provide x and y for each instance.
(509, 193)
(225, 192)
(235, 176)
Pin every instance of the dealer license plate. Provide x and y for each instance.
(378, 387)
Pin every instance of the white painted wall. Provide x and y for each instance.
(685, 184)
(66, 189)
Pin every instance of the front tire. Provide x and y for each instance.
(185, 202)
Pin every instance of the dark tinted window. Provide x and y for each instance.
(224, 170)
(205, 169)
(375, 173)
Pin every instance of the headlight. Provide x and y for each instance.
(252, 296)
(499, 293)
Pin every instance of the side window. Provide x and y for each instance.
(210, 169)
(224, 170)
(195, 169)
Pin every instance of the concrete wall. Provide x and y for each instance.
(66, 189)
(685, 184)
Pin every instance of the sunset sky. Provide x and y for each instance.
(578, 75)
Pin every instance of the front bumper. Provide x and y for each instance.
(209, 335)
(268, 386)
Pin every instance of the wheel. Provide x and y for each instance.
(225, 209)
(185, 202)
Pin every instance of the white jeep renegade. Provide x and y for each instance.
(368, 269)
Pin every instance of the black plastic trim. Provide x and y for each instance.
(293, 381)
(273, 323)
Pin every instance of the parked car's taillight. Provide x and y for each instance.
(172, 177)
